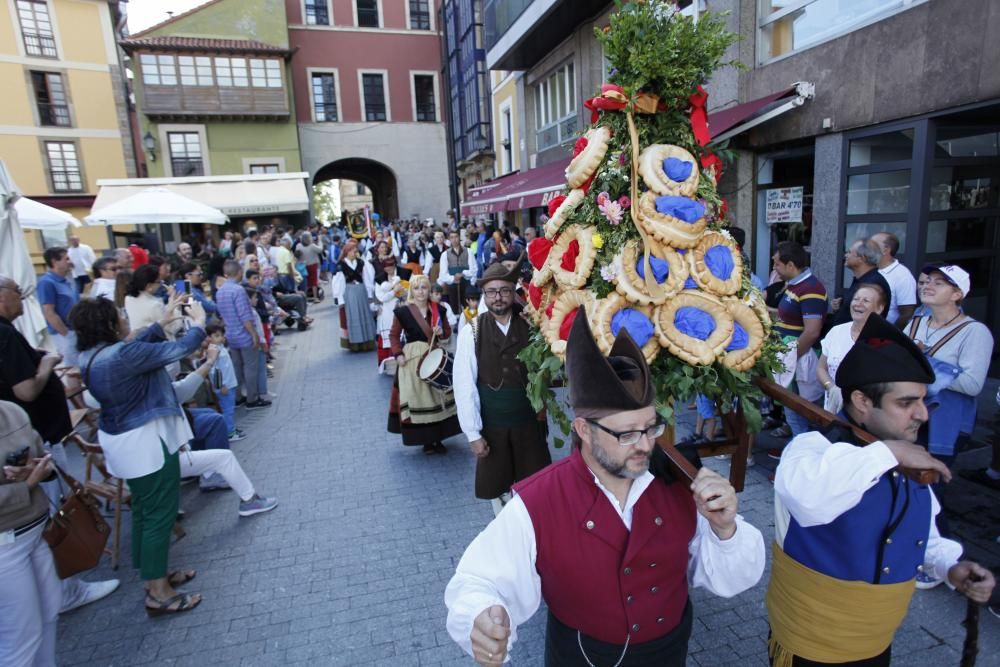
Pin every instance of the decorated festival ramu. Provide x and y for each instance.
(638, 238)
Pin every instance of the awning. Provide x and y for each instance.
(251, 194)
(525, 189)
(484, 199)
(727, 123)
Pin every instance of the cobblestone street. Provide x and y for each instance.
(351, 567)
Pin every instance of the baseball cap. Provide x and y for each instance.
(956, 275)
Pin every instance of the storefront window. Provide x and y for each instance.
(881, 192)
(966, 142)
(962, 188)
(960, 234)
(879, 148)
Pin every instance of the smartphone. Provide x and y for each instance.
(18, 458)
(182, 286)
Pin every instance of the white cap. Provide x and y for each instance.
(956, 275)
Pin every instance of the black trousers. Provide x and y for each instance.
(562, 647)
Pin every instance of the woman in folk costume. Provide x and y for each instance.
(389, 289)
(422, 413)
(357, 325)
(412, 257)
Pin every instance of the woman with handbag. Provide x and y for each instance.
(141, 428)
(423, 413)
(30, 589)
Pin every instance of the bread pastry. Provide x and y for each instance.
(538, 254)
(614, 312)
(564, 309)
(585, 163)
(716, 264)
(539, 299)
(695, 327)
(562, 212)
(747, 343)
(669, 170)
(572, 257)
(670, 270)
(665, 226)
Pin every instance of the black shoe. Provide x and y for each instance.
(428, 449)
(259, 403)
(241, 400)
(980, 477)
(440, 448)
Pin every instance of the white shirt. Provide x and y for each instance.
(498, 568)
(83, 259)
(385, 296)
(903, 286)
(465, 372)
(818, 480)
(444, 278)
(103, 287)
(138, 452)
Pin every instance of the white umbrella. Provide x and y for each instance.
(15, 262)
(155, 206)
(36, 215)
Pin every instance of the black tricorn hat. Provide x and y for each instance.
(616, 383)
(883, 353)
(498, 271)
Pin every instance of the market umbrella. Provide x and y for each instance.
(156, 206)
(15, 262)
(36, 215)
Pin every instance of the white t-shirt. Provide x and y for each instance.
(836, 344)
(903, 286)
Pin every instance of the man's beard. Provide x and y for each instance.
(501, 309)
(619, 470)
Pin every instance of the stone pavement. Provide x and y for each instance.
(350, 569)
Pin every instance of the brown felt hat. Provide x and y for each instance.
(498, 271)
(616, 383)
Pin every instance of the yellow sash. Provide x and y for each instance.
(824, 619)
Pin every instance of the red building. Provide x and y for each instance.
(368, 97)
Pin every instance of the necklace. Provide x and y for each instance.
(579, 643)
(930, 332)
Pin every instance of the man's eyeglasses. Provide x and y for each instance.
(631, 438)
(111, 268)
(502, 291)
(16, 289)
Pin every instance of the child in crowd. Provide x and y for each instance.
(437, 293)
(223, 379)
(704, 429)
(471, 310)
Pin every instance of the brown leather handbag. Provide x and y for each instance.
(77, 533)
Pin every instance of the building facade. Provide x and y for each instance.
(66, 122)
(368, 94)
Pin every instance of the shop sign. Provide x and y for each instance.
(783, 205)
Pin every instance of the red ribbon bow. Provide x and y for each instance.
(612, 98)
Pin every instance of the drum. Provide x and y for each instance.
(436, 367)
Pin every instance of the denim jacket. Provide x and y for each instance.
(128, 378)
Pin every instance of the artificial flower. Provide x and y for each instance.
(611, 270)
(611, 209)
(597, 240)
(624, 201)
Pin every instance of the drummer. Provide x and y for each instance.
(424, 413)
(504, 431)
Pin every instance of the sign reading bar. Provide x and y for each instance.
(783, 205)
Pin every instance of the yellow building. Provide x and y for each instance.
(507, 130)
(64, 121)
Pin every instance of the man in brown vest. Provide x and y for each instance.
(504, 431)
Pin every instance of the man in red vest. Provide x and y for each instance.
(611, 548)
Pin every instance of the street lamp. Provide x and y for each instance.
(149, 143)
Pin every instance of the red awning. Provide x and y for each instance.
(726, 119)
(519, 190)
(485, 198)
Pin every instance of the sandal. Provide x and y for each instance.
(180, 577)
(184, 602)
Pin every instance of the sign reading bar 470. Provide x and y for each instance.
(783, 205)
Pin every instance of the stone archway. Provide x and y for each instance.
(379, 178)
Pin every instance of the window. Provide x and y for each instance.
(506, 132)
(420, 15)
(50, 98)
(324, 95)
(264, 168)
(317, 12)
(555, 108)
(787, 26)
(231, 72)
(158, 70)
(185, 154)
(423, 93)
(195, 70)
(360, 189)
(36, 28)
(374, 97)
(367, 13)
(265, 73)
(64, 166)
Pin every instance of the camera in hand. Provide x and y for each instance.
(18, 458)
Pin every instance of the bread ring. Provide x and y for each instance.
(666, 228)
(538, 251)
(612, 313)
(562, 213)
(715, 335)
(716, 264)
(652, 160)
(565, 303)
(760, 308)
(538, 302)
(745, 348)
(586, 162)
(578, 276)
(632, 286)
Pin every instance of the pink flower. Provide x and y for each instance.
(603, 198)
(624, 201)
(621, 158)
(612, 210)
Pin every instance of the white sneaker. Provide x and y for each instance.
(95, 590)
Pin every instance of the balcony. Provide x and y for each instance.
(519, 33)
(162, 103)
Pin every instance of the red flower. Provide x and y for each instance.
(580, 144)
